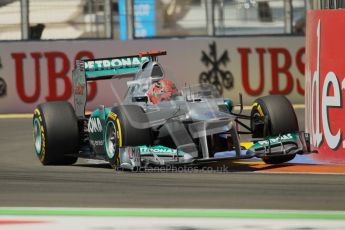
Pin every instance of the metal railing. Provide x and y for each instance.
(131, 19)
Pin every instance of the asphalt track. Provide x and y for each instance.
(24, 182)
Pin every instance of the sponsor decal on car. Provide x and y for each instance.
(115, 63)
(94, 125)
(157, 149)
(79, 88)
(259, 109)
(278, 139)
(97, 142)
(114, 117)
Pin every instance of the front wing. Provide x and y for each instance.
(143, 157)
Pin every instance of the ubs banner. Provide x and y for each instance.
(325, 73)
(34, 72)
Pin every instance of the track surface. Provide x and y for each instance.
(25, 182)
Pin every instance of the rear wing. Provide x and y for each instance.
(105, 68)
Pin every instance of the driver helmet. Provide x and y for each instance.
(162, 90)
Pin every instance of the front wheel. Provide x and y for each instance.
(126, 125)
(113, 139)
(271, 116)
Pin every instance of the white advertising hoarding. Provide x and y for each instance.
(39, 71)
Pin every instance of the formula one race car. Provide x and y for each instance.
(158, 125)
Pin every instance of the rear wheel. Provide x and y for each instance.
(125, 126)
(56, 133)
(270, 116)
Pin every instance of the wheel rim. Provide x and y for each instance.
(37, 136)
(111, 139)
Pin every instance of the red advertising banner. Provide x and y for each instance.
(325, 73)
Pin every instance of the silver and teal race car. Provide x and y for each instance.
(158, 125)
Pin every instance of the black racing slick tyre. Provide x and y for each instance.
(56, 133)
(270, 116)
(126, 125)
